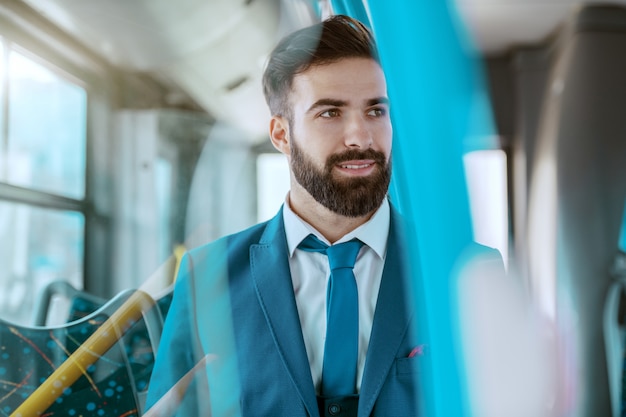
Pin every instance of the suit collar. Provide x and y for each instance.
(270, 271)
(374, 232)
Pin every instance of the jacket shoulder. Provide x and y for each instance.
(234, 244)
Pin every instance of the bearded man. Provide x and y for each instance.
(307, 314)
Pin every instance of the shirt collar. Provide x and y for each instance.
(373, 233)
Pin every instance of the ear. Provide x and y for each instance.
(279, 134)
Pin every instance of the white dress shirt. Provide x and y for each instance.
(310, 272)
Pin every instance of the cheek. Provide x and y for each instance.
(384, 138)
(317, 145)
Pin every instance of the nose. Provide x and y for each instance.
(358, 134)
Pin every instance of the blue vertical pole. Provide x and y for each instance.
(433, 84)
(355, 9)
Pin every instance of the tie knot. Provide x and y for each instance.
(340, 255)
(343, 255)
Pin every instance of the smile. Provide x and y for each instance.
(357, 167)
(360, 166)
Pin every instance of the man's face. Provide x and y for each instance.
(340, 135)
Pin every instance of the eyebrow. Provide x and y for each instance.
(324, 102)
(378, 100)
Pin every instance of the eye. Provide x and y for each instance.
(330, 113)
(377, 112)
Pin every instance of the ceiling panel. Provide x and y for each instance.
(498, 25)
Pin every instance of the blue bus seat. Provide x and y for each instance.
(140, 342)
(29, 355)
(80, 303)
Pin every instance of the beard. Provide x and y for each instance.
(350, 197)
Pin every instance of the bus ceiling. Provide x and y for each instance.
(214, 51)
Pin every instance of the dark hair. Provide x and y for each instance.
(326, 42)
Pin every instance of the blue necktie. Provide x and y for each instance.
(342, 316)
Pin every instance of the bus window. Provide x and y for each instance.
(486, 175)
(46, 129)
(42, 180)
(272, 183)
(38, 245)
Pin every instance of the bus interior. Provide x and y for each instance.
(131, 131)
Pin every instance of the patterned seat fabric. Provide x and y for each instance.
(28, 355)
(137, 342)
(115, 385)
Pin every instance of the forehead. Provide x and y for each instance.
(349, 79)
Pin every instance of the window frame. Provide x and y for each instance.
(23, 30)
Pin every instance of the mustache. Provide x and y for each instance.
(352, 154)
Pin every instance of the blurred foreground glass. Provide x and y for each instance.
(46, 130)
(38, 246)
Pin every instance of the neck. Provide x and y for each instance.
(331, 225)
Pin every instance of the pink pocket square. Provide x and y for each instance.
(419, 350)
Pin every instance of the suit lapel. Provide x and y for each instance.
(391, 321)
(270, 271)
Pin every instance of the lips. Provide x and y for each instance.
(357, 167)
(356, 164)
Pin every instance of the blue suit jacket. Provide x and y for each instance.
(234, 300)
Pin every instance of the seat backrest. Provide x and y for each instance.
(140, 342)
(106, 387)
(29, 355)
(79, 303)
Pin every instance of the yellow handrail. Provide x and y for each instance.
(89, 352)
